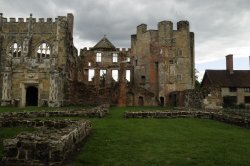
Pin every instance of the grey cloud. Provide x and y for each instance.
(218, 25)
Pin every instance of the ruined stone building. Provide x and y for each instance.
(40, 65)
(35, 57)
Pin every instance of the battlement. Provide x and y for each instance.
(182, 25)
(27, 20)
(163, 26)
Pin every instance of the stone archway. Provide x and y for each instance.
(31, 96)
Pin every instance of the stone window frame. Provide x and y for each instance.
(114, 57)
(91, 75)
(98, 57)
(128, 75)
(13, 48)
(43, 47)
(115, 75)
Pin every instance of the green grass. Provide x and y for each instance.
(118, 141)
(10, 132)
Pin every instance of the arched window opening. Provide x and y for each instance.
(43, 51)
(15, 50)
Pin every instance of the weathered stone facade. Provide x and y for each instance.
(35, 60)
(163, 61)
(40, 66)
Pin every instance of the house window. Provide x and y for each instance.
(115, 75)
(115, 57)
(232, 89)
(91, 74)
(43, 51)
(136, 62)
(247, 89)
(128, 73)
(15, 50)
(98, 57)
(247, 99)
(89, 64)
(229, 101)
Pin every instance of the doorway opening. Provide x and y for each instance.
(161, 101)
(141, 101)
(31, 96)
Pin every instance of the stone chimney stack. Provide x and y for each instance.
(229, 63)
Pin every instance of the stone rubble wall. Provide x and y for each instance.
(49, 146)
(99, 111)
(218, 116)
(205, 98)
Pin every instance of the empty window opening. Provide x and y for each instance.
(91, 74)
(128, 73)
(115, 57)
(15, 50)
(115, 75)
(143, 79)
(136, 62)
(98, 57)
(232, 89)
(89, 64)
(43, 51)
(103, 73)
(128, 59)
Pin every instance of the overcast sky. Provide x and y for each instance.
(221, 27)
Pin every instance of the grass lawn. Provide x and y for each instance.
(118, 141)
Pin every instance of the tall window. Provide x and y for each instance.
(115, 57)
(103, 73)
(15, 50)
(43, 51)
(115, 75)
(98, 57)
(128, 75)
(91, 74)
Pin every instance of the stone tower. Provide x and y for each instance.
(163, 62)
(34, 58)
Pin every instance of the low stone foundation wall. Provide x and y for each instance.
(99, 111)
(222, 117)
(49, 146)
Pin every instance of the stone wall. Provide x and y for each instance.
(51, 145)
(99, 111)
(218, 116)
(206, 98)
